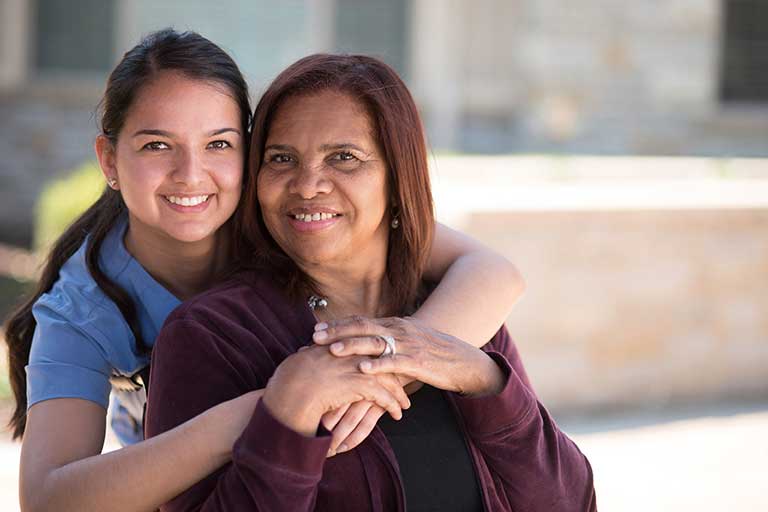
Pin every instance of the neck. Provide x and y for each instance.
(353, 293)
(184, 268)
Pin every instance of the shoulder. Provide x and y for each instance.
(247, 325)
(77, 305)
(250, 308)
(246, 294)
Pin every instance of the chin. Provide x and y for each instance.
(191, 234)
(315, 257)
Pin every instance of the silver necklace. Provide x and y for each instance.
(315, 302)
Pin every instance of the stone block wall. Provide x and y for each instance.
(39, 140)
(589, 76)
(638, 307)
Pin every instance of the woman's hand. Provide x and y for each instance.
(351, 425)
(423, 354)
(312, 382)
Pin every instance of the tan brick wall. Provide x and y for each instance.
(638, 307)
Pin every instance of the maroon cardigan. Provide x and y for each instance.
(229, 341)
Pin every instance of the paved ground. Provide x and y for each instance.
(703, 460)
(708, 463)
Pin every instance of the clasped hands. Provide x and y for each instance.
(341, 382)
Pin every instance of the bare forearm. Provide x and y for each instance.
(474, 297)
(148, 474)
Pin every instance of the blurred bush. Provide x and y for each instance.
(11, 293)
(62, 200)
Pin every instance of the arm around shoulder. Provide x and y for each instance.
(477, 288)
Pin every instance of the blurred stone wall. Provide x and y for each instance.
(40, 139)
(586, 76)
(639, 307)
(644, 288)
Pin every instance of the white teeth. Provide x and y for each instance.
(187, 201)
(311, 217)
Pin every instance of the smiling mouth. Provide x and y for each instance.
(314, 217)
(188, 200)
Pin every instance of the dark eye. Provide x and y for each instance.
(219, 144)
(155, 145)
(344, 156)
(280, 158)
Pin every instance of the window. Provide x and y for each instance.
(374, 27)
(73, 36)
(744, 71)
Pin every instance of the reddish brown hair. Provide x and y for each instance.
(400, 135)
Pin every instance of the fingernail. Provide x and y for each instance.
(342, 448)
(365, 365)
(319, 335)
(321, 326)
(337, 347)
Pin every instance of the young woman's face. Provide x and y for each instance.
(323, 183)
(179, 158)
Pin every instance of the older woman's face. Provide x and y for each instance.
(323, 184)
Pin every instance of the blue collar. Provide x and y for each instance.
(153, 301)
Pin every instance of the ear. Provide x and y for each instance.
(105, 153)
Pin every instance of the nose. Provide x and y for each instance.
(309, 181)
(188, 168)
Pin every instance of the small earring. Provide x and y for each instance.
(112, 182)
(395, 217)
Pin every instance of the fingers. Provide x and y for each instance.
(361, 431)
(398, 365)
(331, 419)
(375, 392)
(362, 346)
(350, 420)
(392, 384)
(351, 327)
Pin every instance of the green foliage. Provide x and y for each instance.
(63, 200)
(5, 386)
(11, 292)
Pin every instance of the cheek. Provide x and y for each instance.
(229, 176)
(375, 198)
(140, 178)
(268, 190)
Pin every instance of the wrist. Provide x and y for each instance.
(298, 415)
(495, 377)
(489, 378)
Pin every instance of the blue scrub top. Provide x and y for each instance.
(82, 339)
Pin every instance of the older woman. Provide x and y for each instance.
(340, 221)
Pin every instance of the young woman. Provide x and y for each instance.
(174, 122)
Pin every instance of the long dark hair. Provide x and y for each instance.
(399, 131)
(186, 52)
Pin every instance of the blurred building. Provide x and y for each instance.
(663, 77)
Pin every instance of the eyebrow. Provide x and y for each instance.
(164, 133)
(324, 147)
(280, 147)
